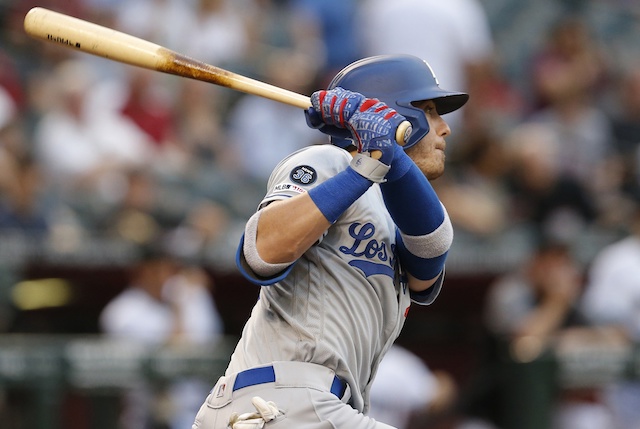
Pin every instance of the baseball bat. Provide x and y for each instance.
(95, 39)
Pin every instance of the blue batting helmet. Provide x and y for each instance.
(398, 81)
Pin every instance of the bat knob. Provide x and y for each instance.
(403, 132)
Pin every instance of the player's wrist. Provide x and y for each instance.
(334, 196)
(412, 202)
(401, 164)
(369, 167)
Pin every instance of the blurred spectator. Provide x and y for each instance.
(136, 217)
(165, 304)
(218, 33)
(14, 141)
(12, 137)
(528, 306)
(475, 195)
(336, 20)
(200, 110)
(148, 104)
(10, 81)
(624, 111)
(526, 313)
(276, 29)
(82, 143)
(262, 131)
(165, 22)
(568, 76)
(496, 105)
(8, 108)
(453, 36)
(612, 300)
(406, 389)
(553, 202)
(22, 205)
(207, 233)
(569, 66)
(26, 203)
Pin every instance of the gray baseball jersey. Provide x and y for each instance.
(344, 301)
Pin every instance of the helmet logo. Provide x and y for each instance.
(432, 73)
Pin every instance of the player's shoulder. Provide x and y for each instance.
(321, 157)
(320, 151)
(304, 169)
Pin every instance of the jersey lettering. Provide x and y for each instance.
(371, 249)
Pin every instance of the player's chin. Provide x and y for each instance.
(434, 174)
(434, 170)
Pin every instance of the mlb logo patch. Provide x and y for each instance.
(289, 187)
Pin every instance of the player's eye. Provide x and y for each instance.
(428, 106)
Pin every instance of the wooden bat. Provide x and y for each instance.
(105, 42)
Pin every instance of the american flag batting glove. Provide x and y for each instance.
(336, 106)
(373, 127)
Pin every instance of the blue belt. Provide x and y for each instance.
(266, 374)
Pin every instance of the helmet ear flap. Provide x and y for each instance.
(419, 123)
(416, 117)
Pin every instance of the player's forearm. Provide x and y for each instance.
(410, 198)
(425, 231)
(279, 234)
(417, 285)
(287, 229)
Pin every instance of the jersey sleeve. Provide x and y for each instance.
(428, 296)
(296, 174)
(303, 170)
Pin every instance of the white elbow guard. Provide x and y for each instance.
(253, 259)
(433, 244)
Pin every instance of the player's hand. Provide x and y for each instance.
(265, 412)
(373, 127)
(370, 123)
(335, 107)
(329, 105)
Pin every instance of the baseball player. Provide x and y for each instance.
(347, 236)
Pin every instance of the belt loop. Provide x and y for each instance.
(253, 376)
(338, 387)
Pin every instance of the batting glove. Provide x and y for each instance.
(373, 127)
(336, 106)
(327, 106)
(265, 412)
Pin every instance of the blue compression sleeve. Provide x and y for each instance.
(409, 197)
(336, 195)
(424, 231)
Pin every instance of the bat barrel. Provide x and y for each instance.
(91, 38)
(105, 42)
